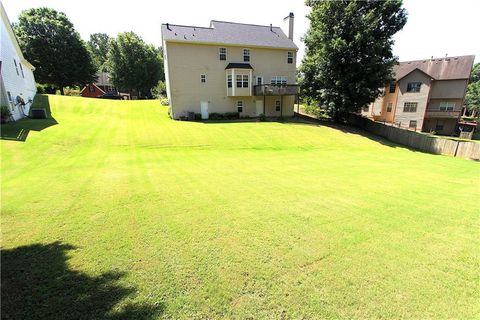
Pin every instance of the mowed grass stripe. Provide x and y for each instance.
(237, 220)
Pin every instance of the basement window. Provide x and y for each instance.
(240, 106)
(203, 78)
(412, 124)
(277, 105)
(439, 125)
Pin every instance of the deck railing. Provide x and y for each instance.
(277, 90)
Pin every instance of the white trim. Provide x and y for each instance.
(234, 82)
(223, 44)
(250, 78)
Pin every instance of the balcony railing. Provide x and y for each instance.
(277, 90)
(437, 113)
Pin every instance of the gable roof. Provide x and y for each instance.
(449, 68)
(229, 33)
(13, 38)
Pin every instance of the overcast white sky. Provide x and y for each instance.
(434, 27)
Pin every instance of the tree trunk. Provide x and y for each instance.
(62, 90)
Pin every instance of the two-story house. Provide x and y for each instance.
(17, 83)
(426, 95)
(230, 67)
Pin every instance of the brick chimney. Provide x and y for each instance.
(290, 25)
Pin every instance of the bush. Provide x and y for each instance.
(215, 116)
(198, 116)
(72, 91)
(315, 111)
(262, 117)
(231, 115)
(40, 88)
(4, 114)
(164, 102)
(170, 112)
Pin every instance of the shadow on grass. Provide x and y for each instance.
(19, 130)
(37, 284)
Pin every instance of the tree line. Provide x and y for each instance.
(62, 59)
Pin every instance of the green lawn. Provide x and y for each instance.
(115, 211)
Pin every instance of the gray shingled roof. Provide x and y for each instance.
(448, 68)
(221, 32)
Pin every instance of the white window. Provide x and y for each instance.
(447, 106)
(242, 80)
(222, 53)
(240, 106)
(203, 78)
(91, 88)
(277, 105)
(289, 57)
(279, 80)
(16, 66)
(246, 55)
(245, 81)
(9, 96)
(229, 81)
(21, 69)
(259, 80)
(410, 107)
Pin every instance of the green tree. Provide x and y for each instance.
(349, 52)
(98, 48)
(50, 42)
(472, 97)
(475, 75)
(133, 64)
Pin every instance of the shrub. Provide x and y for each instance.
(170, 112)
(198, 116)
(262, 117)
(72, 91)
(40, 88)
(315, 111)
(164, 102)
(4, 113)
(215, 116)
(231, 115)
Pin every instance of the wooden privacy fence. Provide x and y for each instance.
(417, 140)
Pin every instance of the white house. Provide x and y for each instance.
(17, 82)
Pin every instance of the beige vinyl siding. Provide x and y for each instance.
(420, 98)
(448, 89)
(186, 62)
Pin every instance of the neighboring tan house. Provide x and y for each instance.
(230, 67)
(426, 95)
(17, 83)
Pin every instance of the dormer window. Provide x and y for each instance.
(289, 57)
(222, 53)
(246, 55)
